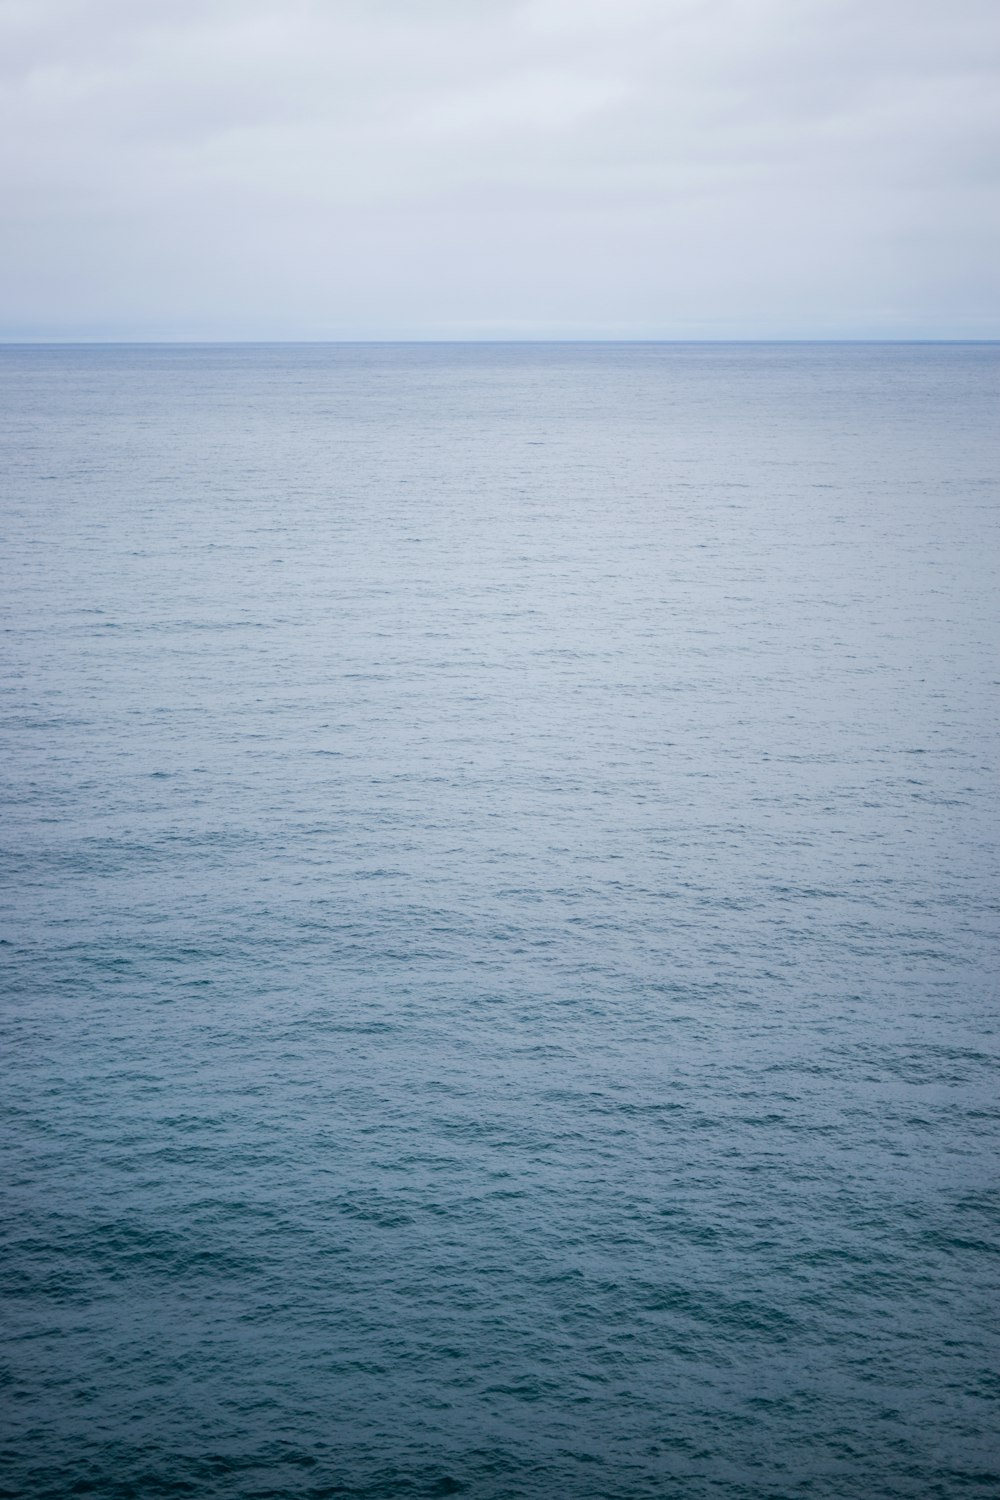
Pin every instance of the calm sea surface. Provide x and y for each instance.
(499, 928)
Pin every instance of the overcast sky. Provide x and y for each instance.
(499, 168)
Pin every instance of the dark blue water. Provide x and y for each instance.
(500, 916)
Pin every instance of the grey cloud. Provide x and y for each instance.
(637, 168)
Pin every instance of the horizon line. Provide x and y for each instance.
(216, 343)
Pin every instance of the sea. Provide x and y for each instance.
(499, 922)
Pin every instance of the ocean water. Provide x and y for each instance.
(499, 932)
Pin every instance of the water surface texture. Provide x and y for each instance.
(499, 932)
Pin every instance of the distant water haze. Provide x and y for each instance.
(499, 922)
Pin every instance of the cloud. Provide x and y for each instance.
(529, 101)
(331, 168)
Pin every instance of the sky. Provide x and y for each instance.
(500, 169)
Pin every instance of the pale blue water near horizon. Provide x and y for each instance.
(499, 921)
